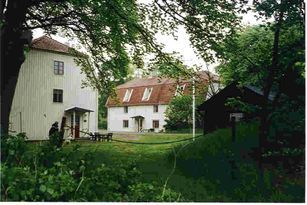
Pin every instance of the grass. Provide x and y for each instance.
(210, 169)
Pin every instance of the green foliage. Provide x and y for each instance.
(13, 148)
(48, 173)
(56, 140)
(179, 112)
(247, 57)
(288, 123)
(237, 104)
(103, 124)
(230, 170)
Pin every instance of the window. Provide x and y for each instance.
(58, 67)
(179, 89)
(128, 95)
(155, 123)
(156, 108)
(57, 95)
(126, 109)
(125, 123)
(147, 93)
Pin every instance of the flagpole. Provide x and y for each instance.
(193, 109)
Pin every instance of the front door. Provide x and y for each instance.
(139, 124)
(77, 126)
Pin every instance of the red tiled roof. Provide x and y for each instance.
(163, 90)
(47, 43)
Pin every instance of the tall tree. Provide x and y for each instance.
(112, 31)
(272, 57)
(286, 13)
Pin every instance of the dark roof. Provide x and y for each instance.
(249, 94)
(78, 109)
(259, 91)
(138, 116)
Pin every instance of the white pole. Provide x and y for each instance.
(193, 109)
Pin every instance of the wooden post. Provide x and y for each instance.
(233, 129)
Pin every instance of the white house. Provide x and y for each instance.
(141, 103)
(49, 88)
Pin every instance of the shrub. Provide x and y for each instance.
(56, 139)
(13, 148)
(232, 169)
(48, 173)
(103, 124)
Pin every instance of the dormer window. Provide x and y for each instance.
(179, 89)
(128, 95)
(147, 94)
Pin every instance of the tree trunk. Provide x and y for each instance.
(264, 126)
(12, 55)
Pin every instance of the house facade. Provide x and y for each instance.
(141, 103)
(49, 88)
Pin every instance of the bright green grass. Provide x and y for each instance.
(202, 172)
(155, 161)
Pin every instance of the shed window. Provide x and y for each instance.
(126, 109)
(58, 67)
(57, 95)
(147, 93)
(155, 123)
(125, 123)
(128, 95)
(156, 108)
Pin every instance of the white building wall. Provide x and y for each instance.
(34, 95)
(116, 116)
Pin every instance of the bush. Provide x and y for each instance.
(232, 169)
(48, 173)
(103, 124)
(56, 140)
(13, 148)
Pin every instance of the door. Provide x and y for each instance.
(139, 124)
(77, 127)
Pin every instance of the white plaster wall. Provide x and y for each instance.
(116, 116)
(34, 95)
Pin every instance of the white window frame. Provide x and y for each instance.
(127, 95)
(179, 89)
(147, 94)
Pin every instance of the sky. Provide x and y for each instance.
(181, 45)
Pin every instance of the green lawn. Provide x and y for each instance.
(203, 168)
(155, 161)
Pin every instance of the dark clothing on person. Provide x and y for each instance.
(54, 129)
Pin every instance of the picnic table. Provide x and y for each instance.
(101, 137)
(148, 130)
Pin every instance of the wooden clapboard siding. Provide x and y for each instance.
(34, 94)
